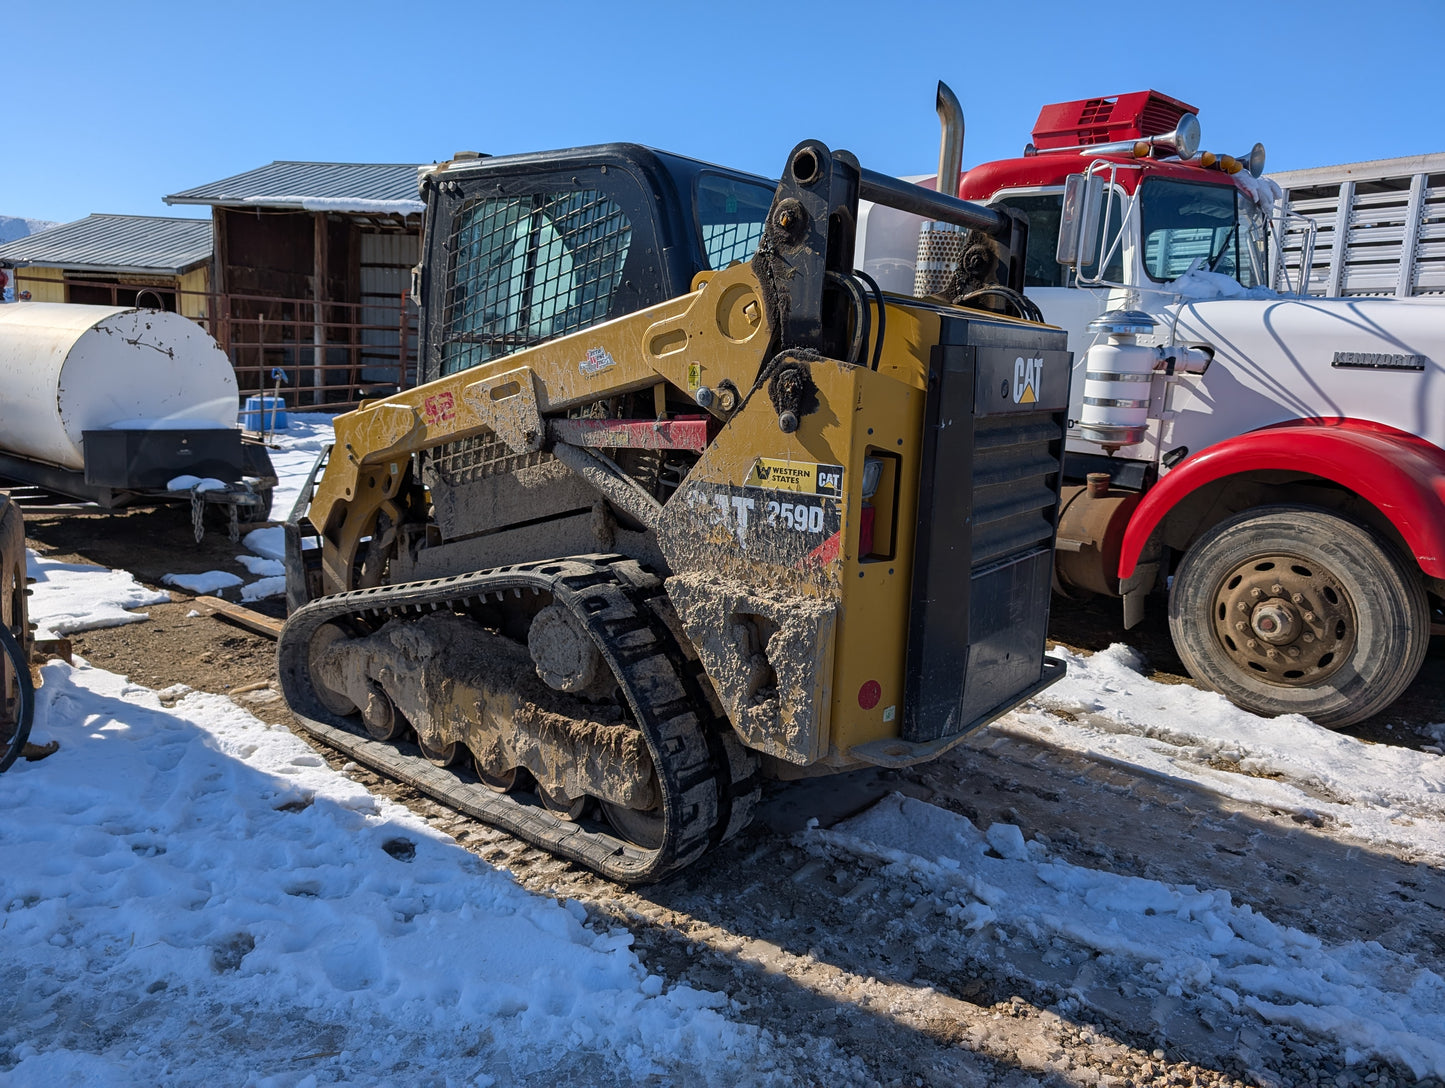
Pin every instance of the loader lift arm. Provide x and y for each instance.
(806, 251)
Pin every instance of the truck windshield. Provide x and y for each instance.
(1216, 225)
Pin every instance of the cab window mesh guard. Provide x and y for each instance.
(728, 242)
(527, 269)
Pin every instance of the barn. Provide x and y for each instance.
(310, 272)
(117, 260)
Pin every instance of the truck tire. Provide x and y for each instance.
(261, 509)
(17, 695)
(1291, 609)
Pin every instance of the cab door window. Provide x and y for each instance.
(527, 268)
(731, 214)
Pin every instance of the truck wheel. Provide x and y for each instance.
(1289, 609)
(17, 694)
(260, 510)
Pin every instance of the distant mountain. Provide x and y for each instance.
(13, 227)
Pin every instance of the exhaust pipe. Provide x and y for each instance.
(940, 244)
(950, 147)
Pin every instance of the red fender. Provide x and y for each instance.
(1400, 474)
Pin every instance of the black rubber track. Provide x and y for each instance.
(610, 595)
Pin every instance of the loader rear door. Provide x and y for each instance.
(522, 254)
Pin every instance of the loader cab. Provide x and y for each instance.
(521, 249)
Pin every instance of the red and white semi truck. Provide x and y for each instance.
(1276, 461)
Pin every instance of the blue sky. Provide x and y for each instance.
(110, 106)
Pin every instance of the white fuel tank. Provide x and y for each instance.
(66, 369)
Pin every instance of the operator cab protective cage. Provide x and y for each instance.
(540, 245)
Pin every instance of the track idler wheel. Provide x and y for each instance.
(332, 697)
(560, 805)
(339, 691)
(446, 755)
(641, 828)
(507, 781)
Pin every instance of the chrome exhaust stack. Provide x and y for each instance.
(940, 243)
(950, 147)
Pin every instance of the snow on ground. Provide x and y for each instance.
(293, 453)
(265, 568)
(271, 580)
(1106, 708)
(70, 597)
(204, 583)
(1184, 940)
(192, 896)
(261, 588)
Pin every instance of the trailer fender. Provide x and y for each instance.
(1400, 474)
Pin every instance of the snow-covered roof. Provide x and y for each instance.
(116, 243)
(366, 188)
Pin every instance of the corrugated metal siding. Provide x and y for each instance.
(321, 180)
(386, 263)
(117, 243)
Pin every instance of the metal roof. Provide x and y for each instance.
(329, 186)
(116, 243)
(1373, 170)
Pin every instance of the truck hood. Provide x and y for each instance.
(1381, 359)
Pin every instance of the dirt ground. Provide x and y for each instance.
(174, 647)
(837, 955)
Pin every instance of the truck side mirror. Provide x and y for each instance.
(1079, 225)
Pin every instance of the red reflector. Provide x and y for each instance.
(869, 694)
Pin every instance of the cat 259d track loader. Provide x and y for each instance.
(663, 519)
